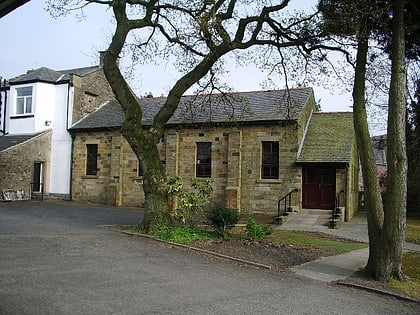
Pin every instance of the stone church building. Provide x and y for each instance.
(257, 147)
(60, 138)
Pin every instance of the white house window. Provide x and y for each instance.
(24, 101)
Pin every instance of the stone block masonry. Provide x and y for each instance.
(17, 163)
(235, 165)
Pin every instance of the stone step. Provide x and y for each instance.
(307, 218)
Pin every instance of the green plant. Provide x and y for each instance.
(222, 218)
(181, 234)
(268, 229)
(253, 229)
(413, 231)
(307, 239)
(411, 268)
(190, 203)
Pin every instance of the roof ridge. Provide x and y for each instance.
(92, 68)
(29, 71)
(232, 92)
(332, 113)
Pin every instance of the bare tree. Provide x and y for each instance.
(199, 33)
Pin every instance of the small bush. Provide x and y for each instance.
(180, 234)
(222, 218)
(254, 230)
(190, 203)
(268, 229)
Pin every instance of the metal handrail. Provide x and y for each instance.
(287, 201)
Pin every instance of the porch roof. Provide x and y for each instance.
(329, 139)
(258, 106)
(8, 141)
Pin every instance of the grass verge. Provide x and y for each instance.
(411, 269)
(176, 234)
(183, 235)
(314, 240)
(413, 231)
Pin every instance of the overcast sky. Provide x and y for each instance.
(31, 39)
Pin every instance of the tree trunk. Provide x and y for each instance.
(156, 196)
(144, 145)
(373, 199)
(386, 228)
(144, 141)
(395, 211)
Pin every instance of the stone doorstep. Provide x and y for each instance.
(308, 217)
(285, 218)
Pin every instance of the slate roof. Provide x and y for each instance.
(8, 141)
(258, 106)
(50, 76)
(328, 139)
(7, 6)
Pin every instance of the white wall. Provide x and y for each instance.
(49, 109)
(16, 124)
(59, 182)
(48, 101)
(2, 107)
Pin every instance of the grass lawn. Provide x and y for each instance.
(314, 240)
(411, 263)
(411, 269)
(413, 231)
(189, 235)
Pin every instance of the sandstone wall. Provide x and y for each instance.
(17, 163)
(236, 166)
(90, 91)
(117, 181)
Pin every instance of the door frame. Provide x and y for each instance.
(38, 177)
(318, 187)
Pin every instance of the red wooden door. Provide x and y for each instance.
(318, 188)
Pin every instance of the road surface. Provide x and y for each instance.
(56, 259)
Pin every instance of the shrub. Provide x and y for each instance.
(253, 229)
(190, 203)
(181, 234)
(222, 218)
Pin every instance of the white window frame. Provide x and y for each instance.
(26, 99)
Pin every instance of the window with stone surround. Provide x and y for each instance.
(23, 101)
(203, 160)
(270, 160)
(91, 159)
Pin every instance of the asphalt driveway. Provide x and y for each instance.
(56, 259)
